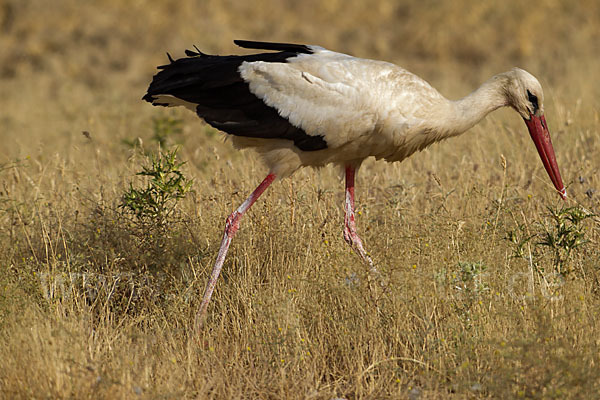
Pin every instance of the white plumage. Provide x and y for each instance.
(308, 106)
(352, 102)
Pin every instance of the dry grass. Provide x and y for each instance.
(92, 307)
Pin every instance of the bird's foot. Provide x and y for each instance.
(352, 238)
(355, 242)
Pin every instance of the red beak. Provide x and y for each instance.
(538, 129)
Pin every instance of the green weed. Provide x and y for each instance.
(153, 204)
(563, 236)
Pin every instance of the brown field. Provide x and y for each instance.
(489, 295)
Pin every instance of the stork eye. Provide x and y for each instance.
(533, 100)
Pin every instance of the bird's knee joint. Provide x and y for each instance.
(347, 237)
(232, 223)
(350, 236)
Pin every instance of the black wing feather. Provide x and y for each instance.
(292, 47)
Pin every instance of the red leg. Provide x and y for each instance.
(231, 226)
(350, 234)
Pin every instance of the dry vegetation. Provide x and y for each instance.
(487, 298)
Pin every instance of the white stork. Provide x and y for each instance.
(308, 106)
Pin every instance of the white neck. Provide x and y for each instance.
(463, 114)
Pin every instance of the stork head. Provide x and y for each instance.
(524, 94)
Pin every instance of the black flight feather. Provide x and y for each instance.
(197, 53)
(295, 48)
